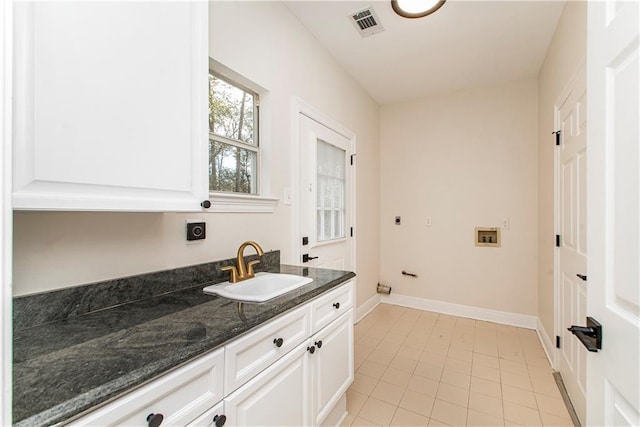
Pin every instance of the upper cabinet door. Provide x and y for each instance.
(111, 106)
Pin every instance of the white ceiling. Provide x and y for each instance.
(465, 44)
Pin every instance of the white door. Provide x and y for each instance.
(613, 192)
(571, 157)
(325, 196)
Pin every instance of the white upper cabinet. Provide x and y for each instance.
(111, 107)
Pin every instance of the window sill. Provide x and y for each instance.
(241, 203)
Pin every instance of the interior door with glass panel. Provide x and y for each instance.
(325, 196)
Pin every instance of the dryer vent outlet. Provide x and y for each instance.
(383, 289)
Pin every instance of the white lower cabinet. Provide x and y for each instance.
(279, 396)
(295, 377)
(332, 365)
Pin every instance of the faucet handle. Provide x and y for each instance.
(250, 264)
(234, 273)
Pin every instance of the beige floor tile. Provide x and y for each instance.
(484, 360)
(362, 351)
(478, 419)
(437, 348)
(396, 377)
(546, 386)
(429, 370)
(393, 337)
(389, 347)
(357, 362)
(436, 423)
(553, 406)
(361, 422)
(449, 413)
(377, 411)
(406, 418)
(423, 385)
(485, 348)
(417, 402)
(388, 392)
(452, 394)
(411, 314)
(458, 354)
(540, 362)
(363, 384)
(549, 420)
(536, 371)
(377, 332)
(486, 387)
(485, 372)
(403, 363)
(486, 404)
(381, 356)
(519, 396)
(372, 369)
(355, 400)
(516, 380)
(513, 366)
(409, 353)
(521, 415)
(456, 378)
(458, 366)
(403, 327)
(434, 359)
(412, 342)
(367, 341)
(347, 420)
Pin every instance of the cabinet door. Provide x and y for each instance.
(332, 365)
(279, 396)
(111, 107)
(214, 417)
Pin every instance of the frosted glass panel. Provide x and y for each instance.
(330, 210)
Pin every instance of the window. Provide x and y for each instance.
(234, 150)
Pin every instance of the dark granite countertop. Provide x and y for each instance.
(65, 367)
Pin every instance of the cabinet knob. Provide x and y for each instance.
(219, 420)
(205, 204)
(336, 305)
(319, 343)
(311, 349)
(278, 342)
(154, 420)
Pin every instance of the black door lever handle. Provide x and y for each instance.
(590, 336)
(307, 258)
(582, 276)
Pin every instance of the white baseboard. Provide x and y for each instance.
(502, 317)
(547, 342)
(366, 308)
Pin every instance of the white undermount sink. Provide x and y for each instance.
(262, 287)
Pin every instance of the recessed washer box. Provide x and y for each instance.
(487, 236)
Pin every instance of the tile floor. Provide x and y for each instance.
(418, 368)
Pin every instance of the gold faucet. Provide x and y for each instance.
(243, 271)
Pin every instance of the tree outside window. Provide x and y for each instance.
(233, 137)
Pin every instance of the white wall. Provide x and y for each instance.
(264, 42)
(465, 159)
(565, 55)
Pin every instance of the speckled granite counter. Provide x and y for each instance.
(65, 367)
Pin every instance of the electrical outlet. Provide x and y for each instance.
(196, 230)
(427, 221)
(506, 223)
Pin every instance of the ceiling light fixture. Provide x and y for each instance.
(416, 8)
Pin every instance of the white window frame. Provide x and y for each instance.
(261, 202)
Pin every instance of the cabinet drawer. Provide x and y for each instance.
(251, 354)
(180, 396)
(331, 306)
(209, 418)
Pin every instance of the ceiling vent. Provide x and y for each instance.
(366, 21)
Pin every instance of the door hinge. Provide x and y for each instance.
(557, 134)
(557, 341)
(557, 240)
(351, 158)
(351, 232)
